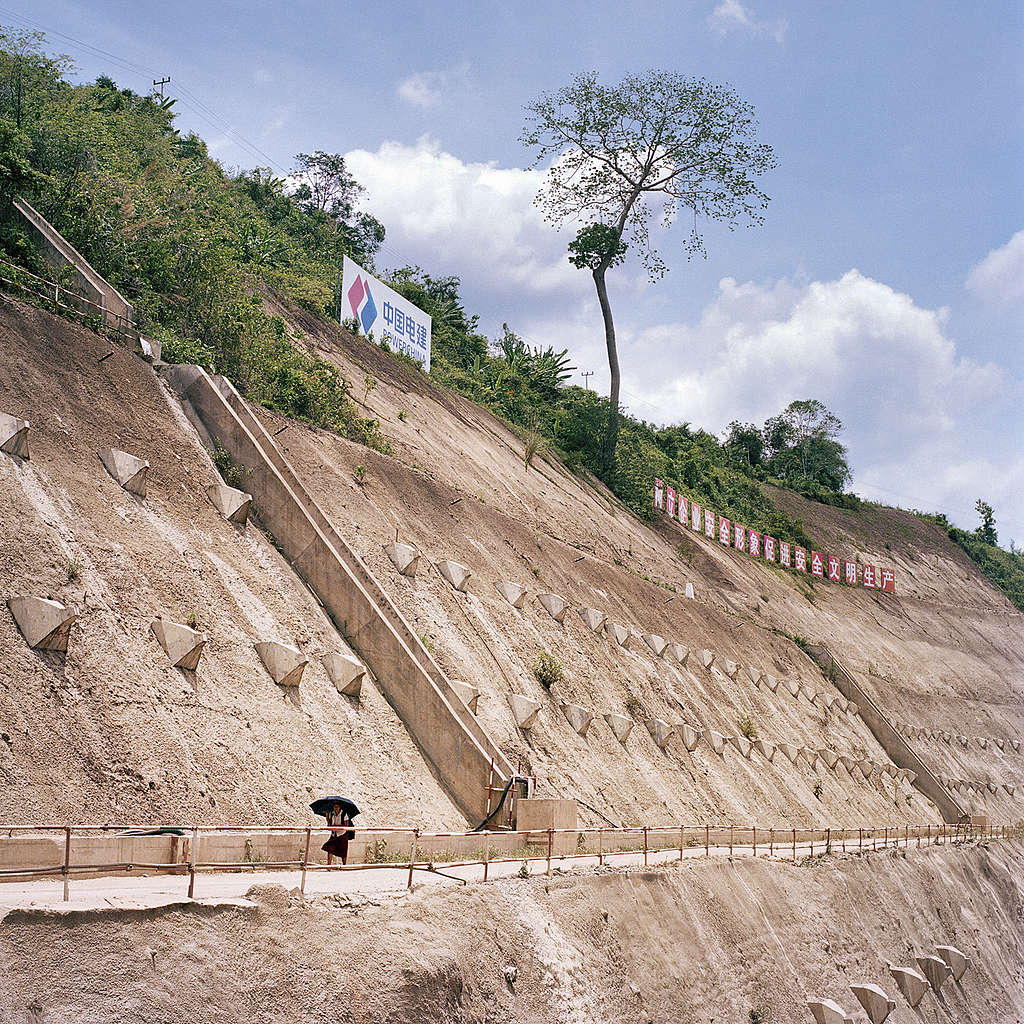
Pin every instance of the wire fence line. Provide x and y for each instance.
(30, 852)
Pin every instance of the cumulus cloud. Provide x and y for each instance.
(732, 16)
(999, 277)
(428, 88)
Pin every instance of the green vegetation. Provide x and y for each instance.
(548, 670)
(747, 727)
(819, 788)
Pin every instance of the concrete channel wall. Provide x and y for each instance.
(899, 751)
(118, 312)
(454, 744)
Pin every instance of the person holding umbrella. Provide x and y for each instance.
(338, 810)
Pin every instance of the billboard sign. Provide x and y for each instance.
(382, 311)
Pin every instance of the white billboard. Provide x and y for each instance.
(405, 327)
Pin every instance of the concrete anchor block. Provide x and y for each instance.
(742, 744)
(524, 710)
(1009, 787)
(620, 725)
(183, 644)
(346, 671)
(1001, 744)
(660, 730)
(689, 591)
(284, 662)
(593, 618)
(935, 969)
(716, 740)
(877, 1005)
(771, 682)
(792, 685)
(809, 755)
(851, 708)
(14, 435)
(618, 633)
(829, 756)
(707, 657)
(45, 624)
(807, 693)
(755, 674)
(840, 704)
(849, 763)
(514, 593)
(827, 1011)
(656, 643)
(956, 960)
(128, 470)
(730, 668)
(991, 786)
(911, 983)
(982, 742)
(455, 573)
(554, 605)
(404, 557)
(231, 503)
(823, 700)
(579, 718)
(766, 748)
(690, 736)
(149, 348)
(1015, 743)
(467, 693)
(790, 751)
(680, 652)
(947, 736)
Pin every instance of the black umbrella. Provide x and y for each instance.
(325, 805)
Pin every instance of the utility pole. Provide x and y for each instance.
(162, 82)
(586, 378)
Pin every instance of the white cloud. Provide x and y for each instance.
(732, 16)
(999, 277)
(428, 88)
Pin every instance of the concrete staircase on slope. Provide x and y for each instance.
(885, 732)
(451, 739)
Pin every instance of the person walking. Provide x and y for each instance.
(339, 812)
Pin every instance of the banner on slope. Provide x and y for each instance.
(826, 567)
(391, 318)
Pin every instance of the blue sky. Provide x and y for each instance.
(888, 279)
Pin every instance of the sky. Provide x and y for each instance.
(887, 279)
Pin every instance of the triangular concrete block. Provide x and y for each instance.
(618, 633)
(404, 557)
(867, 767)
(947, 736)
(689, 591)
(730, 668)
(771, 682)
(346, 671)
(716, 740)
(911, 983)
(128, 470)
(1009, 788)
(829, 756)
(514, 593)
(839, 704)
(230, 502)
(45, 624)
(707, 657)
(655, 643)
(1001, 744)
(807, 693)
(909, 777)
(660, 730)
(991, 786)
(827, 1011)
(578, 717)
(467, 693)
(620, 725)
(935, 969)
(809, 755)
(455, 573)
(594, 618)
(149, 348)
(849, 763)
(755, 674)
(284, 662)
(956, 960)
(524, 710)
(183, 644)
(765, 748)
(680, 652)
(554, 605)
(792, 752)
(14, 435)
(690, 736)
(824, 700)
(877, 1005)
(742, 744)
(1015, 743)
(851, 708)
(792, 685)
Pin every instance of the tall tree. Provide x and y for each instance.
(801, 442)
(656, 143)
(987, 530)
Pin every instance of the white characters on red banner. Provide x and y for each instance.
(682, 510)
(659, 493)
(869, 577)
(784, 553)
(833, 569)
(723, 530)
(817, 564)
(887, 580)
(670, 502)
(709, 522)
(754, 543)
(850, 573)
(769, 548)
(800, 560)
(695, 519)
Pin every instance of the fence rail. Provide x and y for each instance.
(30, 852)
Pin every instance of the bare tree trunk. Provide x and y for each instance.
(611, 433)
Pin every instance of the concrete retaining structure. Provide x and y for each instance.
(451, 739)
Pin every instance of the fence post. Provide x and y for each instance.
(193, 856)
(682, 829)
(755, 841)
(645, 846)
(487, 855)
(305, 861)
(828, 840)
(600, 845)
(730, 840)
(551, 840)
(906, 836)
(67, 861)
(860, 840)
(707, 840)
(812, 842)
(885, 844)
(794, 844)
(771, 842)
(412, 855)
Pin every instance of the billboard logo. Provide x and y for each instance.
(365, 311)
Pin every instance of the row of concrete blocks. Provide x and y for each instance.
(912, 732)
(46, 626)
(972, 786)
(931, 971)
(128, 470)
